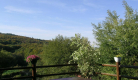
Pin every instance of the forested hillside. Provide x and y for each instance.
(14, 50)
(8, 38)
(20, 44)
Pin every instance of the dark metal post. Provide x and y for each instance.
(34, 71)
(118, 70)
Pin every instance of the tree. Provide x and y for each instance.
(116, 36)
(57, 52)
(86, 56)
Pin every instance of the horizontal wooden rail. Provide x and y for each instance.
(107, 74)
(17, 78)
(15, 68)
(56, 65)
(129, 77)
(129, 66)
(110, 65)
(57, 74)
(37, 67)
(119, 75)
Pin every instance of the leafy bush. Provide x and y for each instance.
(86, 56)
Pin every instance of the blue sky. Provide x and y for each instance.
(45, 19)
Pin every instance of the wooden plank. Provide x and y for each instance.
(107, 74)
(129, 66)
(129, 77)
(57, 65)
(110, 65)
(72, 78)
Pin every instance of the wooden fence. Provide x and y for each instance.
(118, 66)
(34, 71)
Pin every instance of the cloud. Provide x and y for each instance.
(53, 3)
(51, 23)
(64, 6)
(16, 28)
(29, 31)
(77, 9)
(65, 20)
(91, 4)
(15, 9)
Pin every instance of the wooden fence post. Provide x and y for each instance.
(118, 70)
(34, 69)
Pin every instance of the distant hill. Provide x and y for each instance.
(8, 38)
(21, 44)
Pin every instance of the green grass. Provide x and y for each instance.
(8, 72)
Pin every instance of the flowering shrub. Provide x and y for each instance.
(86, 56)
(32, 57)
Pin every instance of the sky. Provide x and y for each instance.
(46, 19)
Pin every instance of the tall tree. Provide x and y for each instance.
(57, 52)
(116, 35)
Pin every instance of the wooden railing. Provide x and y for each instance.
(118, 66)
(34, 71)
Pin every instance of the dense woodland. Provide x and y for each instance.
(114, 36)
